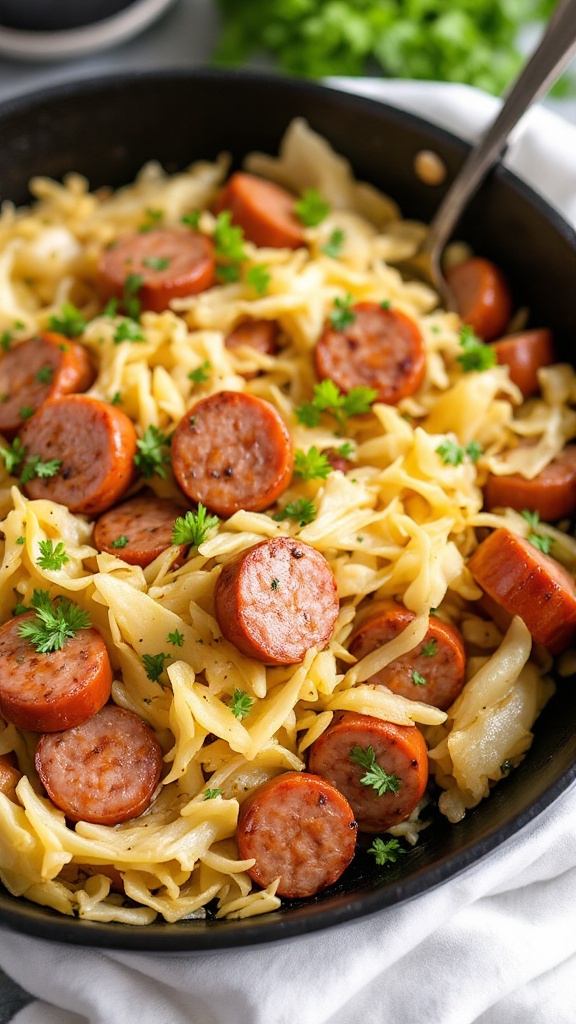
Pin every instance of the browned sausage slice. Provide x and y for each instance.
(264, 211)
(170, 262)
(525, 582)
(399, 755)
(9, 776)
(38, 369)
(104, 771)
(482, 294)
(381, 349)
(232, 451)
(433, 673)
(48, 692)
(552, 493)
(139, 529)
(95, 443)
(524, 353)
(261, 335)
(300, 829)
(277, 600)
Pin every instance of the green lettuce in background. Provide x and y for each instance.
(471, 41)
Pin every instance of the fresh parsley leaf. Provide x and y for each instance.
(201, 374)
(34, 466)
(303, 511)
(45, 374)
(333, 247)
(193, 527)
(26, 411)
(452, 454)
(376, 777)
(156, 262)
(229, 273)
(311, 465)
(259, 277)
(130, 301)
(13, 456)
(275, 584)
(69, 321)
(119, 542)
(153, 453)
(228, 239)
(241, 704)
(111, 307)
(176, 638)
(385, 304)
(539, 541)
(21, 609)
(128, 330)
(346, 450)
(386, 852)
(476, 355)
(329, 398)
(6, 339)
(342, 316)
(154, 665)
(54, 622)
(430, 648)
(153, 217)
(20, 540)
(211, 794)
(532, 518)
(474, 450)
(51, 558)
(417, 678)
(192, 219)
(311, 209)
(116, 398)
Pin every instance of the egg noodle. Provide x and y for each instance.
(401, 523)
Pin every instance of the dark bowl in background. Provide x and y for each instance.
(57, 15)
(106, 130)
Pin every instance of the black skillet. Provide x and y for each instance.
(106, 130)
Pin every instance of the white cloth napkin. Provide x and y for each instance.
(495, 945)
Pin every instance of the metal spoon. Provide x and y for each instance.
(556, 48)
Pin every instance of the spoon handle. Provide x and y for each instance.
(557, 46)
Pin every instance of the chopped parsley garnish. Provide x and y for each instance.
(20, 540)
(54, 623)
(176, 638)
(375, 776)
(259, 277)
(13, 456)
(311, 465)
(386, 852)
(476, 355)
(130, 301)
(311, 209)
(51, 558)
(538, 540)
(342, 316)
(69, 321)
(333, 247)
(452, 454)
(329, 398)
(228, 273)
(45, 374)
(211, 794)
(153, 453)
(154, 665)
(201, 374)
(241, 704)
(275, 584)
(193, 527)
(119, 542)
(417, 678)
(26, 411)
(385, 304)
(128, 330)
(192, 219)
(30, 466)
(346, 450)
(303, 511)
(430, 648)
(111, 307)
(116, 398)
(152, 217)
(156, 262)
(228, 239)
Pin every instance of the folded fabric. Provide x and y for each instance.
(494, 945)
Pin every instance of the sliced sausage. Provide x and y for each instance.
(433, 673)
(38, 369)
(277, 600)
(264, 211)
(399, 754)
(261, 335)
(552, 493)
(381, 349)
(524, 353)
(95, 443)
(232, 451)
(525, 582)
(104, 771)
(139, 529)
(171, 263)
(9, 776)
(48, 692)
(482, 295)
(298, 828)
(337, 460)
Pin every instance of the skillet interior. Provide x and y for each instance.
(106, 130)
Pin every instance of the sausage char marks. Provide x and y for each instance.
(232, 451)
(299, 828)
(433, 673)
(104, 771)
(53, 691)
(381, 349)
(398, 750)
(277, 600)
(40, 368)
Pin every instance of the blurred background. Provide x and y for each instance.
(477, 42)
